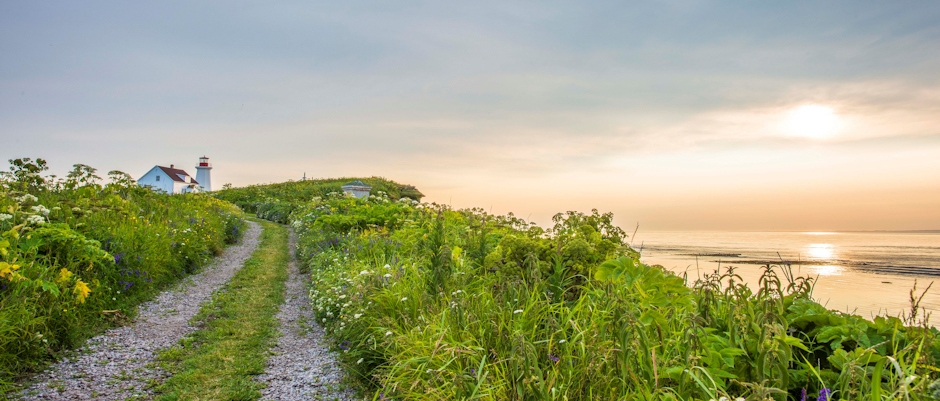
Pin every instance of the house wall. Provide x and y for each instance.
(166, 184)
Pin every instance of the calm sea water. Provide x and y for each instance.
(868, 273)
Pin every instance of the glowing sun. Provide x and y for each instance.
(811, 121)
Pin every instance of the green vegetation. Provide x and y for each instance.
(275, 202)
(217, 361)
(77, 256)
(429, 303)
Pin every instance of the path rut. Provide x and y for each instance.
(302, 367)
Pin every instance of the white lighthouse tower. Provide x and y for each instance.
(202, 174)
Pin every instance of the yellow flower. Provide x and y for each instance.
(81, 291)
(7, 270)
(64, 275)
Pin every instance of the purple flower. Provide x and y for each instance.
(118, 257)
(553, 358)
(803, 393)
(824, 394)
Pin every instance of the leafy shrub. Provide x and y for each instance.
(77, 256)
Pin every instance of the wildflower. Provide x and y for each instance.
(35, 220)
(5, 217)
(40, 209)
(359, 361)
(387, 266)
(517, 311)
(562, 341)
(388, 333)
(364, 272)
(27, 198)
(403, 299)
(81, 291)
(64, 275)
(356, 316)
(803, 393)
(387, 275)
(824, 394)
(7, 270)
(553, 358)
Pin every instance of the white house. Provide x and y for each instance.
(170, 180)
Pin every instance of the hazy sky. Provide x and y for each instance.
(676, 115)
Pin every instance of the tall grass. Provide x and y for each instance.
(425, 302)
(77, 256)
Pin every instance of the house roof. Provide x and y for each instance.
(357, 183)
(177, 174)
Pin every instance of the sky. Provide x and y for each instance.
(674, 115)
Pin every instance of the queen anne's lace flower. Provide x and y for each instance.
(40, 209)
(5, 217)
(27, 198)
(35, 220)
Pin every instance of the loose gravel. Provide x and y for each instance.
(302, 367)
(117, 365)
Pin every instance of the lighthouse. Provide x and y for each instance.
(202, 174)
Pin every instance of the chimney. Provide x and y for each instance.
(171, 166)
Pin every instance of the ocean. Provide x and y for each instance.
(866, 273)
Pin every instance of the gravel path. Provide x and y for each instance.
(113, 366)
(302, 366)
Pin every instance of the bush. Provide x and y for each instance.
(77, 256)
(425, 302)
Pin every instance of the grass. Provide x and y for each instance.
(218, 361)
(429, 303)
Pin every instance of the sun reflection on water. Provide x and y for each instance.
(821, 251)
(827, 270)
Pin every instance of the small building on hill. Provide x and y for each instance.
(170, 180)
(357, 188)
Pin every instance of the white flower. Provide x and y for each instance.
(562, 341)
(387, 266)
(364, 272)
(27, 198)
(517, 311)
(5, 217)
(388, 333)
(35, 219)
(40, 209)
(359, 361)
(403, 299)
(356, 316)
(387, 275)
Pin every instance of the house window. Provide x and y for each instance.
(158, 178)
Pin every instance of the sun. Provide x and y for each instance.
(811, 121)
